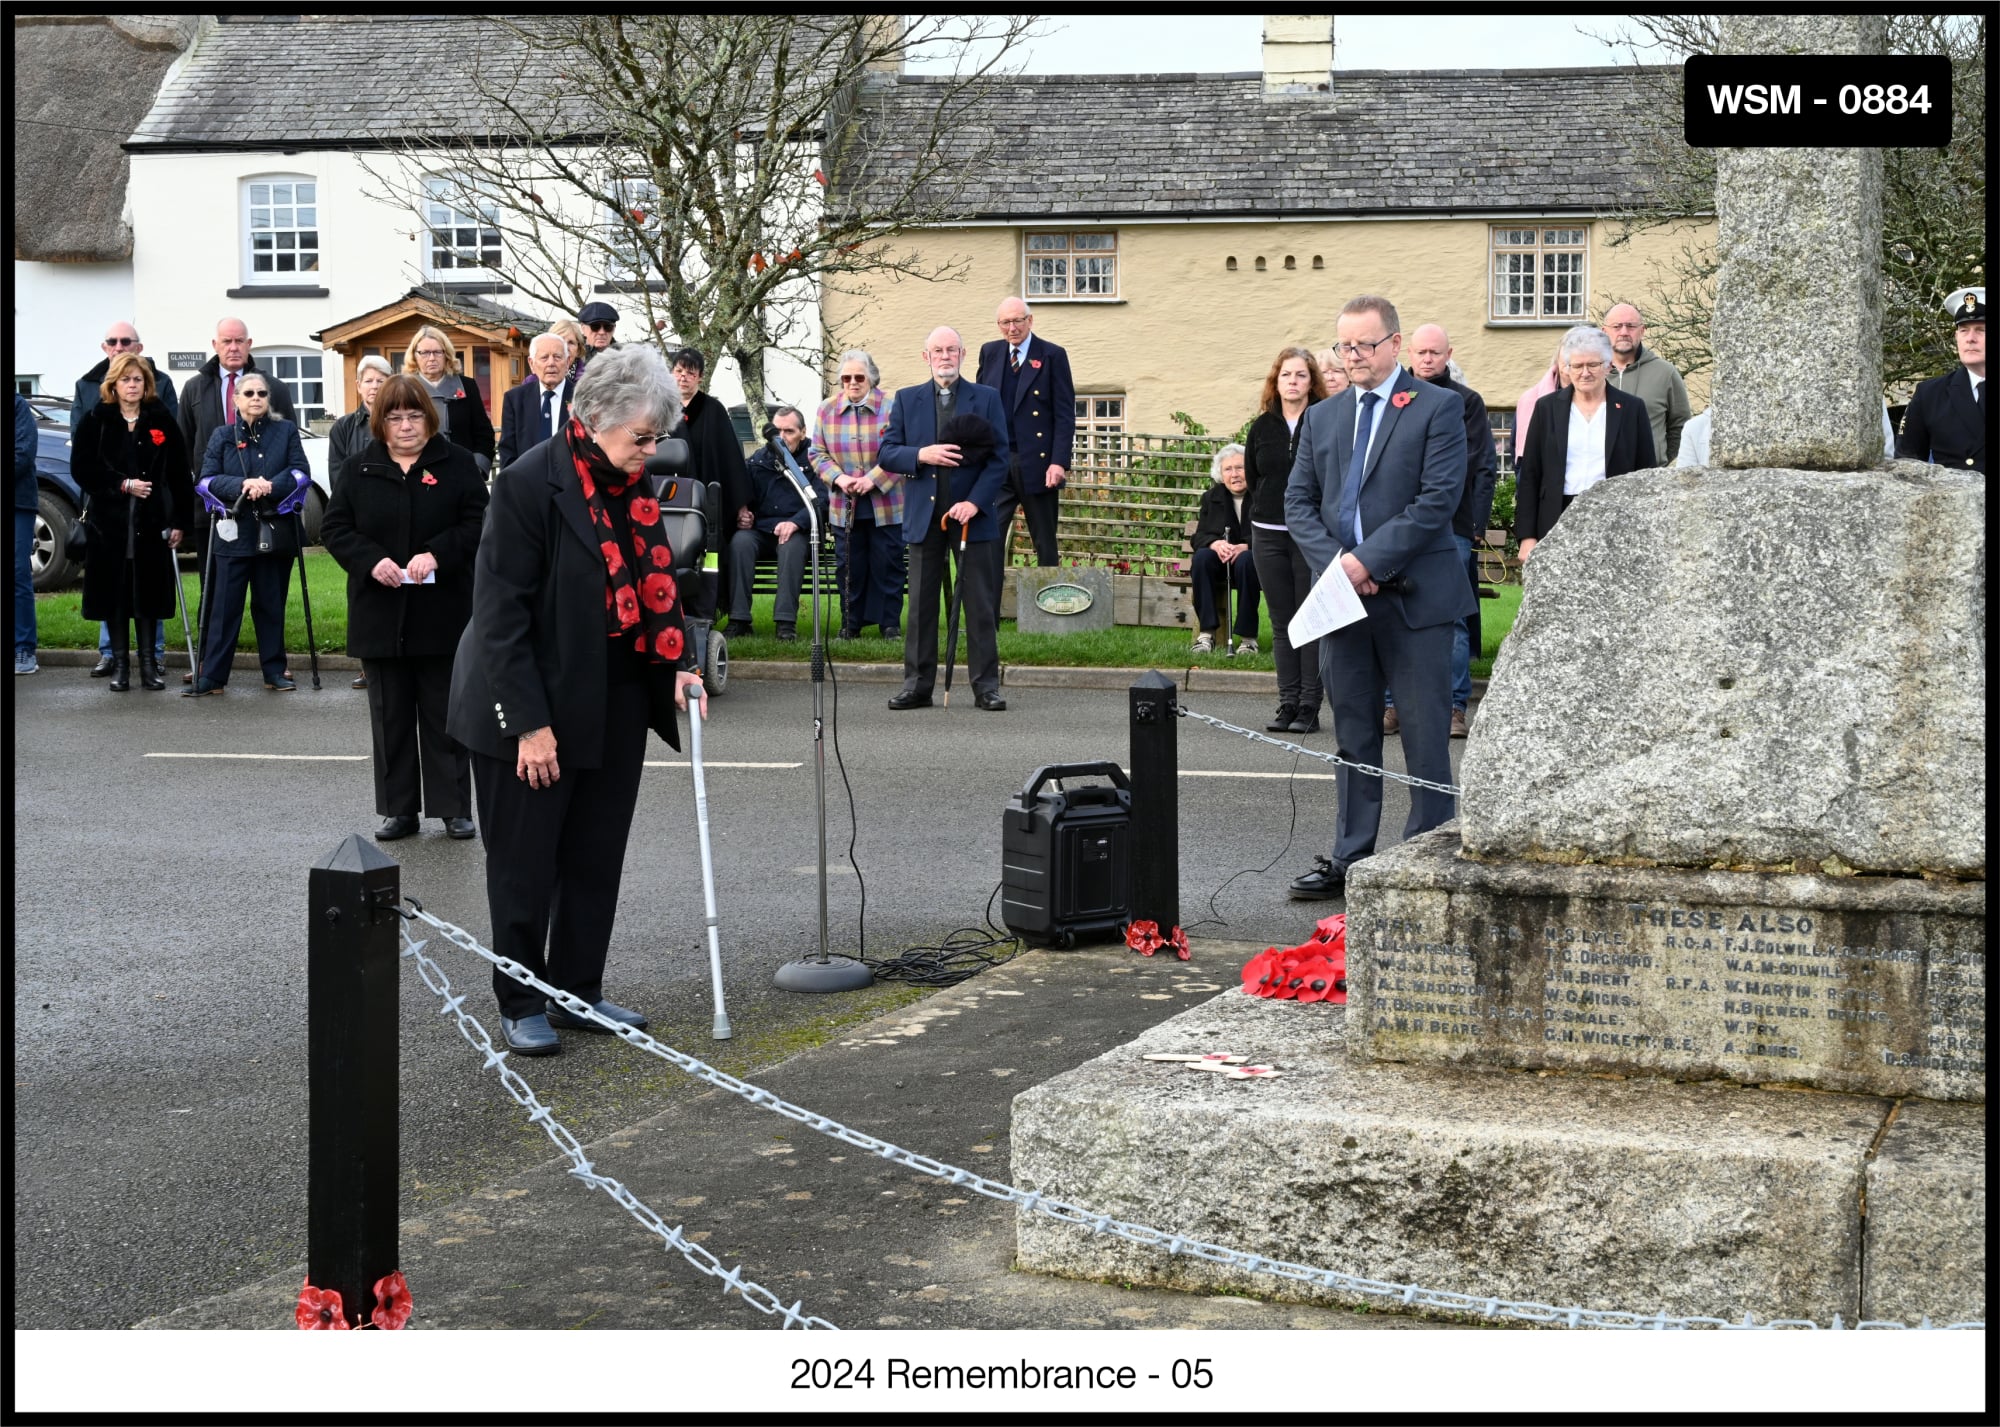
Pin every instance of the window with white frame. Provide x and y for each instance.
(461, 226)
(633, 231)
(304, 376)
(1502, 424)
(280, 228)
(1540, 273)
(1100, 429)
(1070, 265)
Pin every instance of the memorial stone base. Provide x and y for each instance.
(1568, 1188)
(1870, 985)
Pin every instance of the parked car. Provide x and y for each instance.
(59, 499)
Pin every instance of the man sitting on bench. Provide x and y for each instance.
(781, 530)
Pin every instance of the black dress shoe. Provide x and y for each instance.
(847, 631)
(103, 667)
(788, 632)
(1281, 722)
(992, 703)
(1306, 722)
(360, 683)
(736, 629)
(460, 828)
(910, 701)
(892, 633)
(281, 685)
(1322, 884)
(393, 828)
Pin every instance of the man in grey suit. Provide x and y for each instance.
(1378, 476)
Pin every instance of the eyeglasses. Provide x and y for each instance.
(121, 341)
(602, 326)
(861, 377)
(402, 418)
(1586, 366)
(1360, 349)
(642, 438)
(247, 394)
(430, 352)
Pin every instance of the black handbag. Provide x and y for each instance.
(76, 544)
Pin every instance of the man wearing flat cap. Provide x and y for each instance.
(1946, 421)
(598, 320)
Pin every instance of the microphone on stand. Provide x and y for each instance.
(822, 972)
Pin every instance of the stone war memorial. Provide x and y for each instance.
(1687, 1012)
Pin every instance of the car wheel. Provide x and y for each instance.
(314, 513)
(53, 518)
(715, 668)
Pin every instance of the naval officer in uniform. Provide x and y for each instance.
(1946, 420)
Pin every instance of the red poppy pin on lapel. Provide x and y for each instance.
(1035, 362)
(159, 437)
(429, 479)
(1402, 399)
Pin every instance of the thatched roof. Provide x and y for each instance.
(82, 84)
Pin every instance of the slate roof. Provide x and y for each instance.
(1377, 141)
(1432, 141)
(69, 173)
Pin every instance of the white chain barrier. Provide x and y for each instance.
(1255, 737)
(762, 1299)
(1406, 1295)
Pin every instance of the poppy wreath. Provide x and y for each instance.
(321, 1308)
(1145, 938)
(1314, 970)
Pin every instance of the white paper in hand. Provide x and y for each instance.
(430, 579)
(1331, 605)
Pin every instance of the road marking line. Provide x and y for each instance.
(712, 763)
(1232, 773)
(283, 757)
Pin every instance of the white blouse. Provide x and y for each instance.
(1585, 466)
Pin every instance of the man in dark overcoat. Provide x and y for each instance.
(1039, 397)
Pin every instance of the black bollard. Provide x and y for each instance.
(1156, 802)
(352, 975)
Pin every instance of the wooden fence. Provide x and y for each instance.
(1127, 502)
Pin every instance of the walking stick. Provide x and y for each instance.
(957, 603)
(302, 484)
(215, 510)
(1229, 607)
(180, 593)
(721, 1031)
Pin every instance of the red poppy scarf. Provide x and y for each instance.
(639, 592)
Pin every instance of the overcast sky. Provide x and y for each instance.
(1137, 43)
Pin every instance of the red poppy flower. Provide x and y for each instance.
(614, 558)
(1256, 969)
(159, 436)
(1402, 399)
(662, 556)
(645, 510)
(429, 479)
(658, 593)
(392, 1302)
(319, 1308)
(669, 644)
(1144, 937)
(628, 605)
(1178, 941)
(673, 587)
(639, 545)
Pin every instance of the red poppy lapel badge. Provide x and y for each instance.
(1035, 362)
(1402, 399)
(429, 479)
(159, 437)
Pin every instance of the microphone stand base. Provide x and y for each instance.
(816, 977)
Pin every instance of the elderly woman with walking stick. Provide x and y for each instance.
(575, 650)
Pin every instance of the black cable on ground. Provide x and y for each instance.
(1215, 916)
(963, 954)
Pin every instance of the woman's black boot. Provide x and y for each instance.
(149, 663)
(121, 660)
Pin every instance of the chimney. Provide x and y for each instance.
(1298, 54)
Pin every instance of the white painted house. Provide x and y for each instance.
(258, 189)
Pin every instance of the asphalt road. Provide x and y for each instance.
(160, 931)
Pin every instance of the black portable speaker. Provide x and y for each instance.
(1065, 857)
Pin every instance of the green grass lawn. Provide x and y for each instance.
(60, 626)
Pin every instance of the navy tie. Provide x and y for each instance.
(548, 412)
(1350, 490)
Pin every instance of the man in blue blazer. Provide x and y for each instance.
(1378, 475)
(536, 409)
(1037, 393)
(941, 488)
